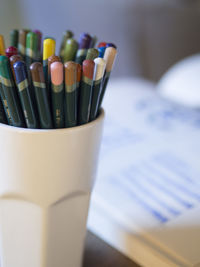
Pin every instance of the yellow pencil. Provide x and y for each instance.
(2, 46)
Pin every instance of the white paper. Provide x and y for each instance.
(149, 173)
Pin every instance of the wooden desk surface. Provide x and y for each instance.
(100, 254)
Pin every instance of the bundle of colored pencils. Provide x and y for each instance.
(40, 90)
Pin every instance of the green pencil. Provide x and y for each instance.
(41, 95)
(70, 50)
(78, 81)
(51, 59)
(93, 42)
(92, 53)
(99, 70)
(14, 35)
(57, 94)
(2, 110)
(66, 35)
(5, 104)
(24, 94)
(86, 91)
(70, 94)
(9, 95)
(22, 43)
(31, 48)
(109, 57)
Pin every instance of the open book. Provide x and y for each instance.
(146, 201)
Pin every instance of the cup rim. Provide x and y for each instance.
(38, 131)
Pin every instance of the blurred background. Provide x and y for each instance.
(151, 35)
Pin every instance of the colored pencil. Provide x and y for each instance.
(11, 51)
(102, 44)
(66, 35)
(84, 45)
(41, 90)
(2, 46)
(57, 94)
(13, 59)
(31, 48)
(41, 95)
(109, 57)
(5, 105)
(99, 70)
(14, 35)
(2, 111)
(9, 94)
(49, 46)
(51, 60)
(86, 91)
(111, 45)
(70, 94)
(24, 93)
(70, 49)
(93, 42)
(92, 53)
(22, 43)
(39, 43)
(101, 51)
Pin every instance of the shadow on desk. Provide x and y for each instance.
(100, 254)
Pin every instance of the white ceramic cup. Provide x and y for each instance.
(46, 179)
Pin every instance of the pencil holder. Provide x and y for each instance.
(46, 179)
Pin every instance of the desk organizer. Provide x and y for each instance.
(46, 179)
